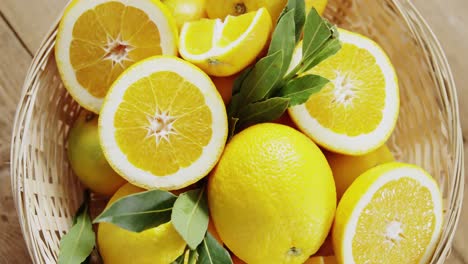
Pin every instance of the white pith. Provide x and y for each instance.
(343, 143)
(217, 34)
(114, 50)
(394, 228)
(160, 126)
(162, 121)
(64, 39)
(394, 231)
(344, 87)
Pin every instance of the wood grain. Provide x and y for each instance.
(22, 30)
(32, 18)
(15, 61)
(12, 247)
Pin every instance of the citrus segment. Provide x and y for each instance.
(98, 40)
(375, 212)
(356, 112)
(225, 48)
(163, 124)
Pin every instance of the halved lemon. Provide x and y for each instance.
(390, 214)
(357, 111)
(98, 39)
(225, 48)
(163, 124)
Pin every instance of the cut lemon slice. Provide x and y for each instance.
(390, 214)
(225, 48)
(357, 111)
(98, 39)
(163, 124)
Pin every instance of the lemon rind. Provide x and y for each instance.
(211, 152)
(216, 50)
(394, 171)
(155, 10)
(365, 143)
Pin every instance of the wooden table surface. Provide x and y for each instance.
(23, 23)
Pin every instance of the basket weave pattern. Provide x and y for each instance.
(428, 131)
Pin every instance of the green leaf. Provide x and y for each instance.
(211, 252)
(193, 257)
(283, 39)
(141, 211)
(264, 91)
(263, 111)
(300, 89)
(262, 78)
(330, 48)
(190, 216)
(316, 33)
(240, 80)
(233, 106)
(78, 243)
(299, 15)
(232, 127)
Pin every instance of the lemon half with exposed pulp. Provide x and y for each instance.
(390, 214)
(98, 39)
(357, 111)
(163, 124)
(225, 48)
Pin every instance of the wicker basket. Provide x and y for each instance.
(428, 131)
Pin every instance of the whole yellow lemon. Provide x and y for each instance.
(223, 8)
(186, 10)
(320, 5)
(347, 168)
(87, 159)
(272, 197)
(161, 244)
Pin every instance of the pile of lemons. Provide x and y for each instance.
(154, 120)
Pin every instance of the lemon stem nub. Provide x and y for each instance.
(89, 117)
(294, 252)
(240, 9)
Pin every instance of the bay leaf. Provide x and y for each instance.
(300, 89)
(299, 15)
(330, 48)
(78, 243)
(316, 33)
(140, 211)
(190, 216)
(283, 39)
(263, 111)
(262, 78)
(193, 257)
(211, 252)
